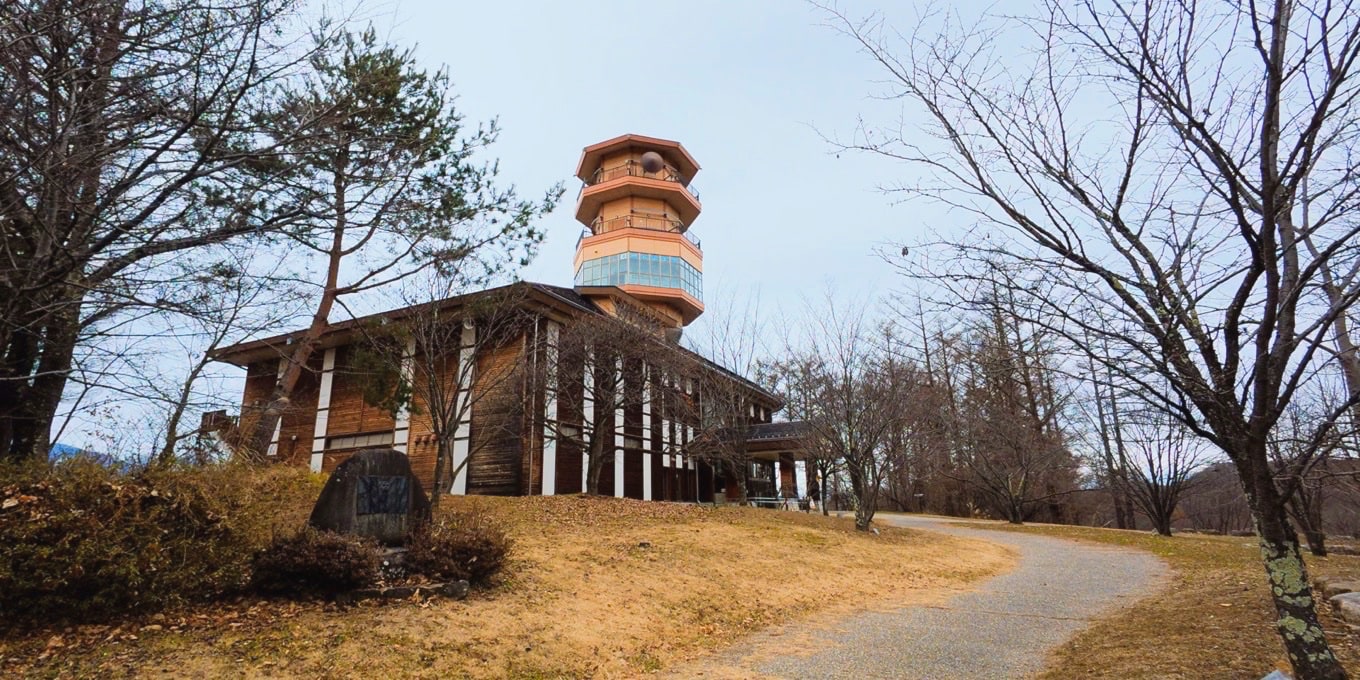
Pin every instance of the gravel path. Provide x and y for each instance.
(1004, 629)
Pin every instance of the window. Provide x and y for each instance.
(359, 441)
(642, 269)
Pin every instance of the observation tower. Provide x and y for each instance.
(637, 204)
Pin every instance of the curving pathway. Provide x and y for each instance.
(1003, 629)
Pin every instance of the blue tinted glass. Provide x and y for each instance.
(644, 269)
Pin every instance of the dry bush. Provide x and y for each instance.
(87, 541)
(465, 545)
(314, 562)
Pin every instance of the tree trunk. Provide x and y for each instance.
(30, 427)
(1130, 515)
(597, 461)
(864, 503)
(1121, 520)
(863, 517)
(824, 500)
(1295, 609)
(1317, 542)
(1163, 525)
(737, 477)
(443, 456)
(258, 443)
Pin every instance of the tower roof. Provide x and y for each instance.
(673, 151)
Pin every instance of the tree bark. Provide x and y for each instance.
(597, 460)
(1317, 542)
(1163, 525)
(1296, 615)
(33, 407)
(441, 466)
(258, 443)
(824, 500)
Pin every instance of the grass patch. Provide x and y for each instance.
(1213, 620)
(594, 587)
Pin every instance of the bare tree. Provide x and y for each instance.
(856, 396)
(732, 342)
(230, 301)
(1163, 461)
(1012, 447)
(429, 350)
(604, 368)
(795, 377)
(122, 126)
(1113, 465)
(938, 412)
(1167, 200)
(1291, 438)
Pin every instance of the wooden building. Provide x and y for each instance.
(524, 403)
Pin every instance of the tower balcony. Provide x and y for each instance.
(631, 168)
(664, 223)
(629, 179)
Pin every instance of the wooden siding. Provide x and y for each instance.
(787, 484)
(298, 420)
(261, 376)
(421, 447)
(632, 473)
(534, 397)
(568, 467)
(497, 423)
(349, 413)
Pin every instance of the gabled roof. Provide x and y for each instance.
(241, 354)
(564, 299)
(776, 401)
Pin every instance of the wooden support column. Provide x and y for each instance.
(588, 409)
(618, 433)
(788, 485)
(323, 410)
(462, 436)
(549, 485)
(646, 435)
(273, 449)
(401, 429)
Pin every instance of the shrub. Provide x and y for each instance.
(84, 541)
(461, 546)
(315, 562)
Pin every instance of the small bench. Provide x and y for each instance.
(780, 503)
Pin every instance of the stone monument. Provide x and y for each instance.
(373, 494)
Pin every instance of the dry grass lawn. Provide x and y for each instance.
(1214, 620)
(582, 597)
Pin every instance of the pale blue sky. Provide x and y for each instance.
(745, 86)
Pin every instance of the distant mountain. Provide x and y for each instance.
(61, 451)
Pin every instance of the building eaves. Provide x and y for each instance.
(785, 430)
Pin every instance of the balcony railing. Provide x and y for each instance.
(632, 168)
(642, 221)
(586, 233)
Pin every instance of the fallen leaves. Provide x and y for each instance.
(580, 580)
